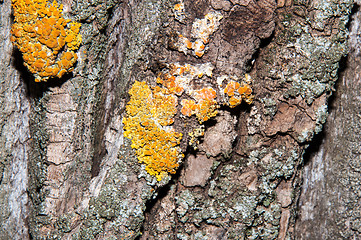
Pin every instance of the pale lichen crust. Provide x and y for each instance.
(179, 11)
(47, 40)
(202, 29)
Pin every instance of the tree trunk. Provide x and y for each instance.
(14, 138)
(329, 203)
(72, 167)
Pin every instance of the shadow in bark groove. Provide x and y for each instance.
(263, 44)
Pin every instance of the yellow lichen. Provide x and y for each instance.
(149, 116)
(46, 40)
(151, 112)
(194, 137)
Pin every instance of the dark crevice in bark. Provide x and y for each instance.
(354, 10)
(263, 44)
(162, 192)
(106, 87)
(25, 75)
(151, 204)
(314, 147)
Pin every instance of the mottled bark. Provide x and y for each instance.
(330, 199)
(243, 179)
(14, 137)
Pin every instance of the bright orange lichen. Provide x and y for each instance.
(179, 7)
(46, 40)
(177, 78)
(236, 93)
(205, 106)
(149, 116)
(189, 107)
(169, 81)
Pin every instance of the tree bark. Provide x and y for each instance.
(14, 138)
(68, 172)
(329, 203)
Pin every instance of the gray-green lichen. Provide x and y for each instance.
(321, 116)
(233, 208)
(317, 66)
(313, 52)
(270, 106)
(37, 165)
(116, 205)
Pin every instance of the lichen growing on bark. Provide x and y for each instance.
(47, 41)
(151, 112)
(175, 81)
(149, 116)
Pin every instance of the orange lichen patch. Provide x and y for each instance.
(206, 94)
(179, 11)
(149, 116)
(45, 38)
(205, 106)
(234, 101)
(179, 7)
(169, 81)
(206, 110)
(237, 93)
(179, 70)
(177, 77)
(199, 48)
(247, 94)
(189, 107)
(231, 87)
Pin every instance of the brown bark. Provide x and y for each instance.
(243, 179)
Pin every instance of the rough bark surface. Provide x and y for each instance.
(242, 182)
(252, 192)
(331, 176)
(14, 137)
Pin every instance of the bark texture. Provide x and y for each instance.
(63, 140)
(14, 138)
(330, 199)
